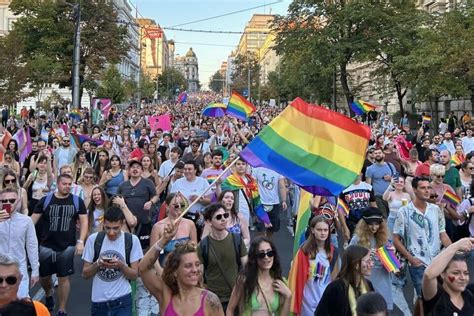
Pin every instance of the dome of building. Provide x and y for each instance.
(190, 53)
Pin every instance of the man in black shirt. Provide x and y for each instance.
(58, 244)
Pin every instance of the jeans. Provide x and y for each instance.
(121, 306)
(416, 274)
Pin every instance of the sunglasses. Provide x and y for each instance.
(178, 206)
(439, 175)
(7, 181)
(262, 255)
(11, 201)
(435, 196)
(220, 216)
(11, 280)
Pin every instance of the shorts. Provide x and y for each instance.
(56, 262)
(274, 216)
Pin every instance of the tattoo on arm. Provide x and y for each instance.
(213, 301)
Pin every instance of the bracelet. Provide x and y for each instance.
(80, 241)
(158, 247)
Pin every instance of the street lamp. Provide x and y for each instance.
(76, 79)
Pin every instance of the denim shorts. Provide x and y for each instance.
(121, 306)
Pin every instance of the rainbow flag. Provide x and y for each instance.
(211, 178)
(426, 119)
(451, 198)
(239, 107)
(388, 259)
(318, 149)
(342, 207)
(361, 107)
(303, 215)
(456, 160)
(75, 114)
(235, 182)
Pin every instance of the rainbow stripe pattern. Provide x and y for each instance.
(361, 107)
(342, 207)
(318, 149)
(426, 119)
(235, 182)
(211, 178)
(456, 160)
(451, 198)
(302, 218)
(239, 107)
(388, 259)
(75, 114)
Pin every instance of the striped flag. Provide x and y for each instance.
(342, 207)
(304, 213)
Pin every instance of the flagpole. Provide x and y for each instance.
(196, 200)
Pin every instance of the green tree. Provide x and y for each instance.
(147, 86)
(246, 66)
(46, 30)
(112, 85)
(216, 82)
(170, 80)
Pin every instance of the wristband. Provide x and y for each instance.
(80, 241)
(158, 247)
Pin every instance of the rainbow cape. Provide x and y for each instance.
(426, 119)
(388, 259)
(302, 218)
(457, 160)
(239, 107)
(297, 277)
(361, 107)
(318, 149)
(451, 198)
(342, 207)
(234, 182)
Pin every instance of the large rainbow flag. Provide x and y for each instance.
(235, 182)
(239, 107)
(360, 107)
(303, 215)
(318, 149)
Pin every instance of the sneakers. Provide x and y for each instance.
(61, 313)
(49, 303)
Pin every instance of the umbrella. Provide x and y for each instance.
(214, 110)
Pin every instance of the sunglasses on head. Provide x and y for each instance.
(11, 280)
(269, 254)
(219, 217)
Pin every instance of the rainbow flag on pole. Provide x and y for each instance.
(456, 160)
(361, 107)
(451, 198)
(426, 120)
(342, 207)
(388, 259)
(320, 150)
(303, 215)
(239, 107)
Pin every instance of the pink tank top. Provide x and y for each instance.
(200, 312)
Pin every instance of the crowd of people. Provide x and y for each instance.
(134, 201)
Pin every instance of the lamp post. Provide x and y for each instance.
(76, 80)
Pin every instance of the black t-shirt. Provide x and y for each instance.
(59, 222)
(136, 197)
(441, 305)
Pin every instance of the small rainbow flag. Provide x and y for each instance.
(320, 150)
(342, 207)
(75, 114)
(361, 107)
(457, 160)
(239, 107)
(426, 119)
(451, 198)
(388, 259)
(302, 218)
(211, 178)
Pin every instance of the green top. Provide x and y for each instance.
(452, 178)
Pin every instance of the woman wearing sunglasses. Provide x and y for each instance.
(10, 180)
(260, 289)
(176, 203)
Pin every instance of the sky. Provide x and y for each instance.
(211, 49)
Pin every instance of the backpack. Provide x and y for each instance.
(99, 240)
(204, 246)
(49, 197)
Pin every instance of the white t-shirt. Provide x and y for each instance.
(110, 284)
(187, 188)
(267, 185)
(468, 144)
(166, 168)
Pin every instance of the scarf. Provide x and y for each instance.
(352, 296)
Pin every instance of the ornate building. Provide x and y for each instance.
(188, 66)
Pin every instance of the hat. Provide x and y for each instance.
(372, 215)
(133, 162)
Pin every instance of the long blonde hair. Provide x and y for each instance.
(363, 232)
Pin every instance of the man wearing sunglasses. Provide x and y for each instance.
(221, 254)
(18, 238)
(10, 277)
(65, 154)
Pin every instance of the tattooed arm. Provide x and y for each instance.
(213, 305)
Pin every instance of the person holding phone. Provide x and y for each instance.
(18, 238)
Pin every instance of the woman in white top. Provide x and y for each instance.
(39, 181)
(10, 180)
(466, 173)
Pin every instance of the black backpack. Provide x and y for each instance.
(100, 239)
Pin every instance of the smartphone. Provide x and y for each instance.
(7, 208)
(108, 260)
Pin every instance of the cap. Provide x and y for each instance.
(372, 215)
(133, 162)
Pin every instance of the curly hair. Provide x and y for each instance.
(250, 273)
(363, 232)
(172, 262)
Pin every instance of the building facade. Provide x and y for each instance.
(255, 33)
(189, 67)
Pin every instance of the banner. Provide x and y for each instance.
(100, 109)
(23, 139)
(162, 121)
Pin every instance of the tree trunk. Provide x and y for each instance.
(400, 96)
(345, 85)
(434, 113)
